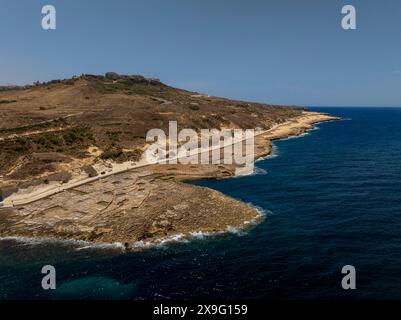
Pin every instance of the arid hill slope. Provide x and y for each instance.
(50, 127)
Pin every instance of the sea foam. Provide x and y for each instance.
(79, 244)
(202, 235)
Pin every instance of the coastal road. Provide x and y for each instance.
(306, 118)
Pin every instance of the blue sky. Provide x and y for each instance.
(283, 51)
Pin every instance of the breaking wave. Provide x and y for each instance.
(79, 244)
(273, 154)
(202, 235)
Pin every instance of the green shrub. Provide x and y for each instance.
(194, 107)
(112, 153)
(49, 140)
(113, 135)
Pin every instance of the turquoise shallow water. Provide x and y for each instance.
(331, 198)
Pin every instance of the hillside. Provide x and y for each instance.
(66, 124)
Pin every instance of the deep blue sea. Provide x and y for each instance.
(331, 198)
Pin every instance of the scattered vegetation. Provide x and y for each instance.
(49, 140)
(7, 101)
(114, 136)
(115, 153)
(38, 126)
(129, 87)
(112, 153)
(194, 107)
(77, 135)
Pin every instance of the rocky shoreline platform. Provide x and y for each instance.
(146, 204)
